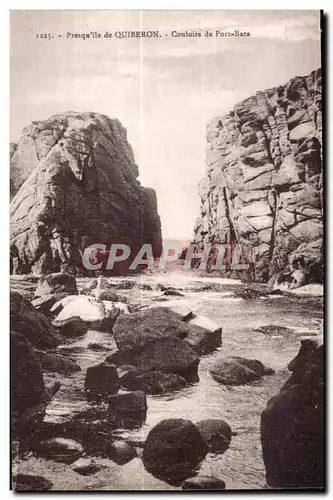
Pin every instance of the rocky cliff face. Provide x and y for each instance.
(74, 181)
(263, 186)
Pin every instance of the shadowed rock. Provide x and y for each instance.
(173, 449)
(292, 425)
(235, 370)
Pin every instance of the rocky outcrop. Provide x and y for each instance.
(74, 181)
(263, 187)
(292, 425)
(32, 324)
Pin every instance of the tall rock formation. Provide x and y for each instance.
(74, 181)
(263, 186)
(292, 425)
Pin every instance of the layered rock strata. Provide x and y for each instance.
(263, 187)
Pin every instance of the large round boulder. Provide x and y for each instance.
(173, 450)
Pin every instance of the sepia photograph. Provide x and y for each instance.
(166, 250)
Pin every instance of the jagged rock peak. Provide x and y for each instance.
(74, 181)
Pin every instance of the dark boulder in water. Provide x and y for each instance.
(71, 327)
(158, 382)
(275, 330)
(59, 449)
(29, 395)
(203, 483)
(167, 355)
(134, 331)
(292, 425)
(101, 381)
(216, 434)
(56, 364)
(235, 370)
(173, 450)
(30, 482)
(86, 467)
(128, 402)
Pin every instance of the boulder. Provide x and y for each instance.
(235, 370)
(71, 327)
(204, 483)
(204, 335)
(128, 409)
(135, 330)
(32, 324)
(30, 482)
(216, 434)
(275, 330)
(46, 302)
(28, 393)
(121, 452)
(292, 425)
(96, 314)
(127, 376)
(59, 449)
(158, 382)
(173, 293)
(56, 364)
(173, 449)
(128, 402)
(101, 380)
(167, 355)
(86, 467)
(56, 283)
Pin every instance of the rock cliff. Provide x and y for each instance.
(74, 181)
(263, 185)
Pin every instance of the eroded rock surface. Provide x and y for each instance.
(74, 181)
(263, 186)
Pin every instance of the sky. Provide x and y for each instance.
(164, 90)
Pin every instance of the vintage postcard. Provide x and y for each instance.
(166, 250)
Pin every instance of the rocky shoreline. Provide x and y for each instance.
(152, 346)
